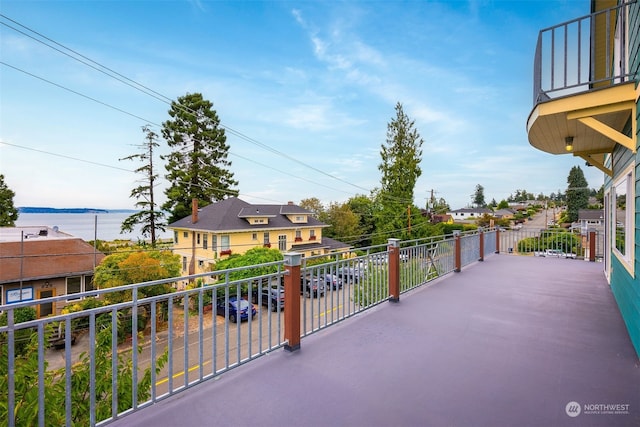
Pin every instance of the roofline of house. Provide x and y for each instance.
(244, 230)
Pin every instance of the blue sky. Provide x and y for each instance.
(315, 80)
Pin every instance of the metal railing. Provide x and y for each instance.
(572, 57)
(141, 348)
(550, 242)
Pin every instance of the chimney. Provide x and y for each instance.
(194, 210)
(290, 203)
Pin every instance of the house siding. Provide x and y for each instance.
(625, 286)
(626, 291)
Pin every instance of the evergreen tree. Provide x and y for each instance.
(478, 197)
(577, 194)
(400, 167)
(149, 216)
(8, 212)
(198, 166)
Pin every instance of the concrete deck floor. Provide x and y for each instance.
(507, 342)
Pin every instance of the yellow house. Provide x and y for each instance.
(233, 226)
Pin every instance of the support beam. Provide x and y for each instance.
(601, 109)
(609, 132)
(594, 162)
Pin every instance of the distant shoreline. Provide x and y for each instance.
(47, 210)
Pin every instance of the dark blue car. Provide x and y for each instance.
(236, 313)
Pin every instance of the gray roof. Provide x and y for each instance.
(472, 210)
(327, 243)
(590, 214)
(229, 215)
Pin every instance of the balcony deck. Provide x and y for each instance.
(509, 341)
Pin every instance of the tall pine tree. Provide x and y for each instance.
(150, 216)
(577, 193)
(197, 168)
(400, 167)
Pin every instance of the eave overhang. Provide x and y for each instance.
(594, 120)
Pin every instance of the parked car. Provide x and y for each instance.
(351, 274)
(312, 286)
(555, 253)
(332, 281)
(379, 259)
(238, 310)
(270, 295)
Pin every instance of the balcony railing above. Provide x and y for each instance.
(583, 54)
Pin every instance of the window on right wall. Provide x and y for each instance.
(622, 224)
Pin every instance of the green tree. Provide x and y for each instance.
(197, 168)
(365, 208)
(8, 212)
(125, 268)
(441, 206)
(600, 196)
(315, 206)
(577, 193)
(26, 384)
(503, 204)
(344, 223)
(253, 257)
(22, 336)
(151, 218)
(400, 168)
(478, 197)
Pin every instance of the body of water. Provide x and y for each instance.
(87, 226)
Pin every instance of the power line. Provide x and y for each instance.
(65, 156)
(138, 86)
(78, 93)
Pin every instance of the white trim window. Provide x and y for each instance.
(78, 285)
(224, 243)
(622, 225)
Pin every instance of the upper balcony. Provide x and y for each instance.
(584, 91)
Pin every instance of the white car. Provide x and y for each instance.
(557, 253)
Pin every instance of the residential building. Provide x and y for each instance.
(586, 95)
(504, 213)
(233, 226)
(438, 218)
(590, 219)
(469, 214)
(42, 262)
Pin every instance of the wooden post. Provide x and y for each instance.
(458, 251)
(394, 270)
(292, 297)
(497, 240)
(592, 246)
(481, 246)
